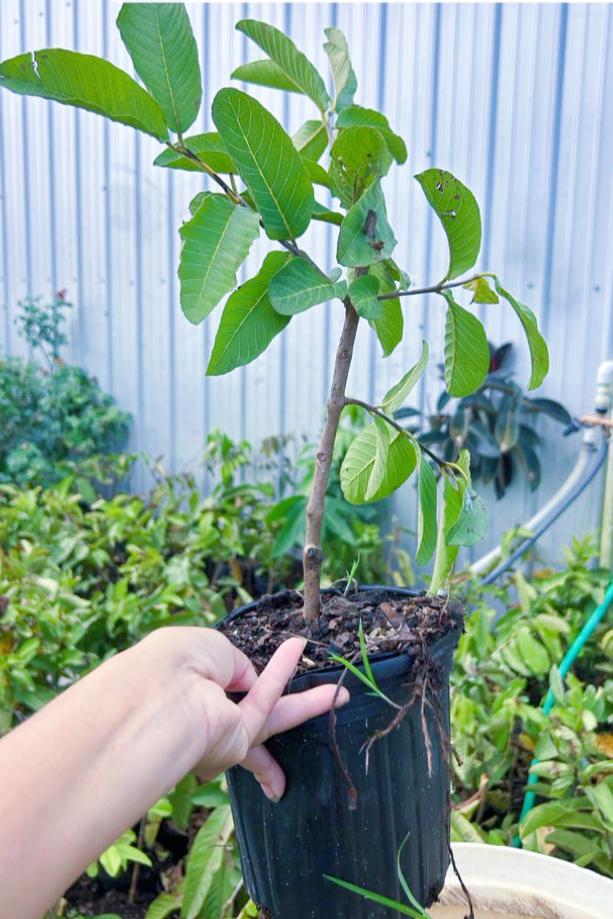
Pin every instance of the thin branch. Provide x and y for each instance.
(434, 289)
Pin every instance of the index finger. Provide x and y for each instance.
(266, 692)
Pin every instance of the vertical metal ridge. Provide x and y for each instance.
(52, 166)
(108, 260)
(138, 279)
(81, 338)
(172, 290)
(25, 135)
(492, 126)
(3, 214)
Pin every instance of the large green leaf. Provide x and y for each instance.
(358, 157)
(345, 82)
(311, 139)
(265, 73)
(363, 293)
(300, 285)
(457, 209)
(539, 353)
(216, 242)
(268, 163)
(453, 493)
(248, 323)
(163, 49)
(390, 327)
(359, 461)
(467, 355)
(398, 393)
(205, 859)
(376, 480)
(426, 519)
(356, 116)
(365, 236)
(87, 82)
(288, 58)
(208, 147)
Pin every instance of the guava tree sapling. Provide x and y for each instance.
(264, 184)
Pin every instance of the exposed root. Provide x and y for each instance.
(471, 909)
(352, 792)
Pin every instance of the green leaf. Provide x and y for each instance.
(358, 157)
(458, 211)
(383, 432)
(316, 173)
(358, 117)
(286, 55)
(268, 163)
(87, 82)
(539, 353)
(390, 327)
(216, 241)
(326, 215)
(471, 525)
(558, 814)
(265, 73)
(299, 286)
(453, 493)
(363, 292)
(359, 461)
(248, 323)
(365, 236)
(163, 49)
(396, 396)
(426, 520)
(204, 860)
(375, 897)
(164, 905)
(467, 355)
(482, 292)
(345, 82)
(462, 830)
(311, 140)
(208, 147)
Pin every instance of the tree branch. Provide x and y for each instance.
(435, 289)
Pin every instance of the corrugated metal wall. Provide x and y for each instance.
(514, 99)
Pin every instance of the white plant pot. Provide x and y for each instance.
(505, 882)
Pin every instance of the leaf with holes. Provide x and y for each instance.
(365, 236)
(359, 461)
(248, 323)
(345, 82)
(87, 82)
(267, 161)
(163, 49)
(300, 285)
(207, 147)
(539, 353)
(358, 157)
(426, 520)
(395, 397)
(467, 355)
(216, 242)
(292, 62)
(363, 292)
(356, 116)
(458, 211)
(311, 140)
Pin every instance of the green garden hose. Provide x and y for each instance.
(567, 662)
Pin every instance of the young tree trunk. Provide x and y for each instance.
(313, 555)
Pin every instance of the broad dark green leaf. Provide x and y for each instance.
(326, 215)
(311, 140)
(426, 520)
(265, 73)
(471, 524)
(216, 242)
(549, 407)
(345, 82)
(539, 353)
(482, 292)
(299, 286)
(358, 157)
(163, 49)
(467, 356)
(558, 814)
(390, 327)
(87, 82)
(356, 116)
(248, 323)
(453, 493)
(268, 163)
(208, 147)
(458, 211)
(316, 173)
(365, 236)
(395, 397)
(363, 292)
(359, 461)
(286, 55)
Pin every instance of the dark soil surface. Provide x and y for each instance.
(391, 623)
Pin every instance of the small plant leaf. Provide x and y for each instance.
(467, 356)
(539, 353)
(207, 147)
(316, 173)
(376, 897)
(163, 49)
(216, 241)
(383, 433)
(426, 520)
(458, 211)
(299, 285)
(471, 524)
(288, 58)
(358, 157)
(311, 140)
(87, 82)
(390, 327)
(326, 215)
(357, 466)
(345, 82)
(363, 293)
(396, 396)
(365, 236)
(453, 493)
(205, 858)
(265, 73)
(268, 163)
(248, 323)
(482, 292)
(358, 117)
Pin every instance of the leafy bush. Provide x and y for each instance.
(57, 419)
(502, 672)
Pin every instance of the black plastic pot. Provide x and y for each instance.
(287, 848)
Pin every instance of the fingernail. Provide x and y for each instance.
(342, 698)
(271, 794)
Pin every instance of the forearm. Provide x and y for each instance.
(84, 769)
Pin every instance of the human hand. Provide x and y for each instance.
(232, 732)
